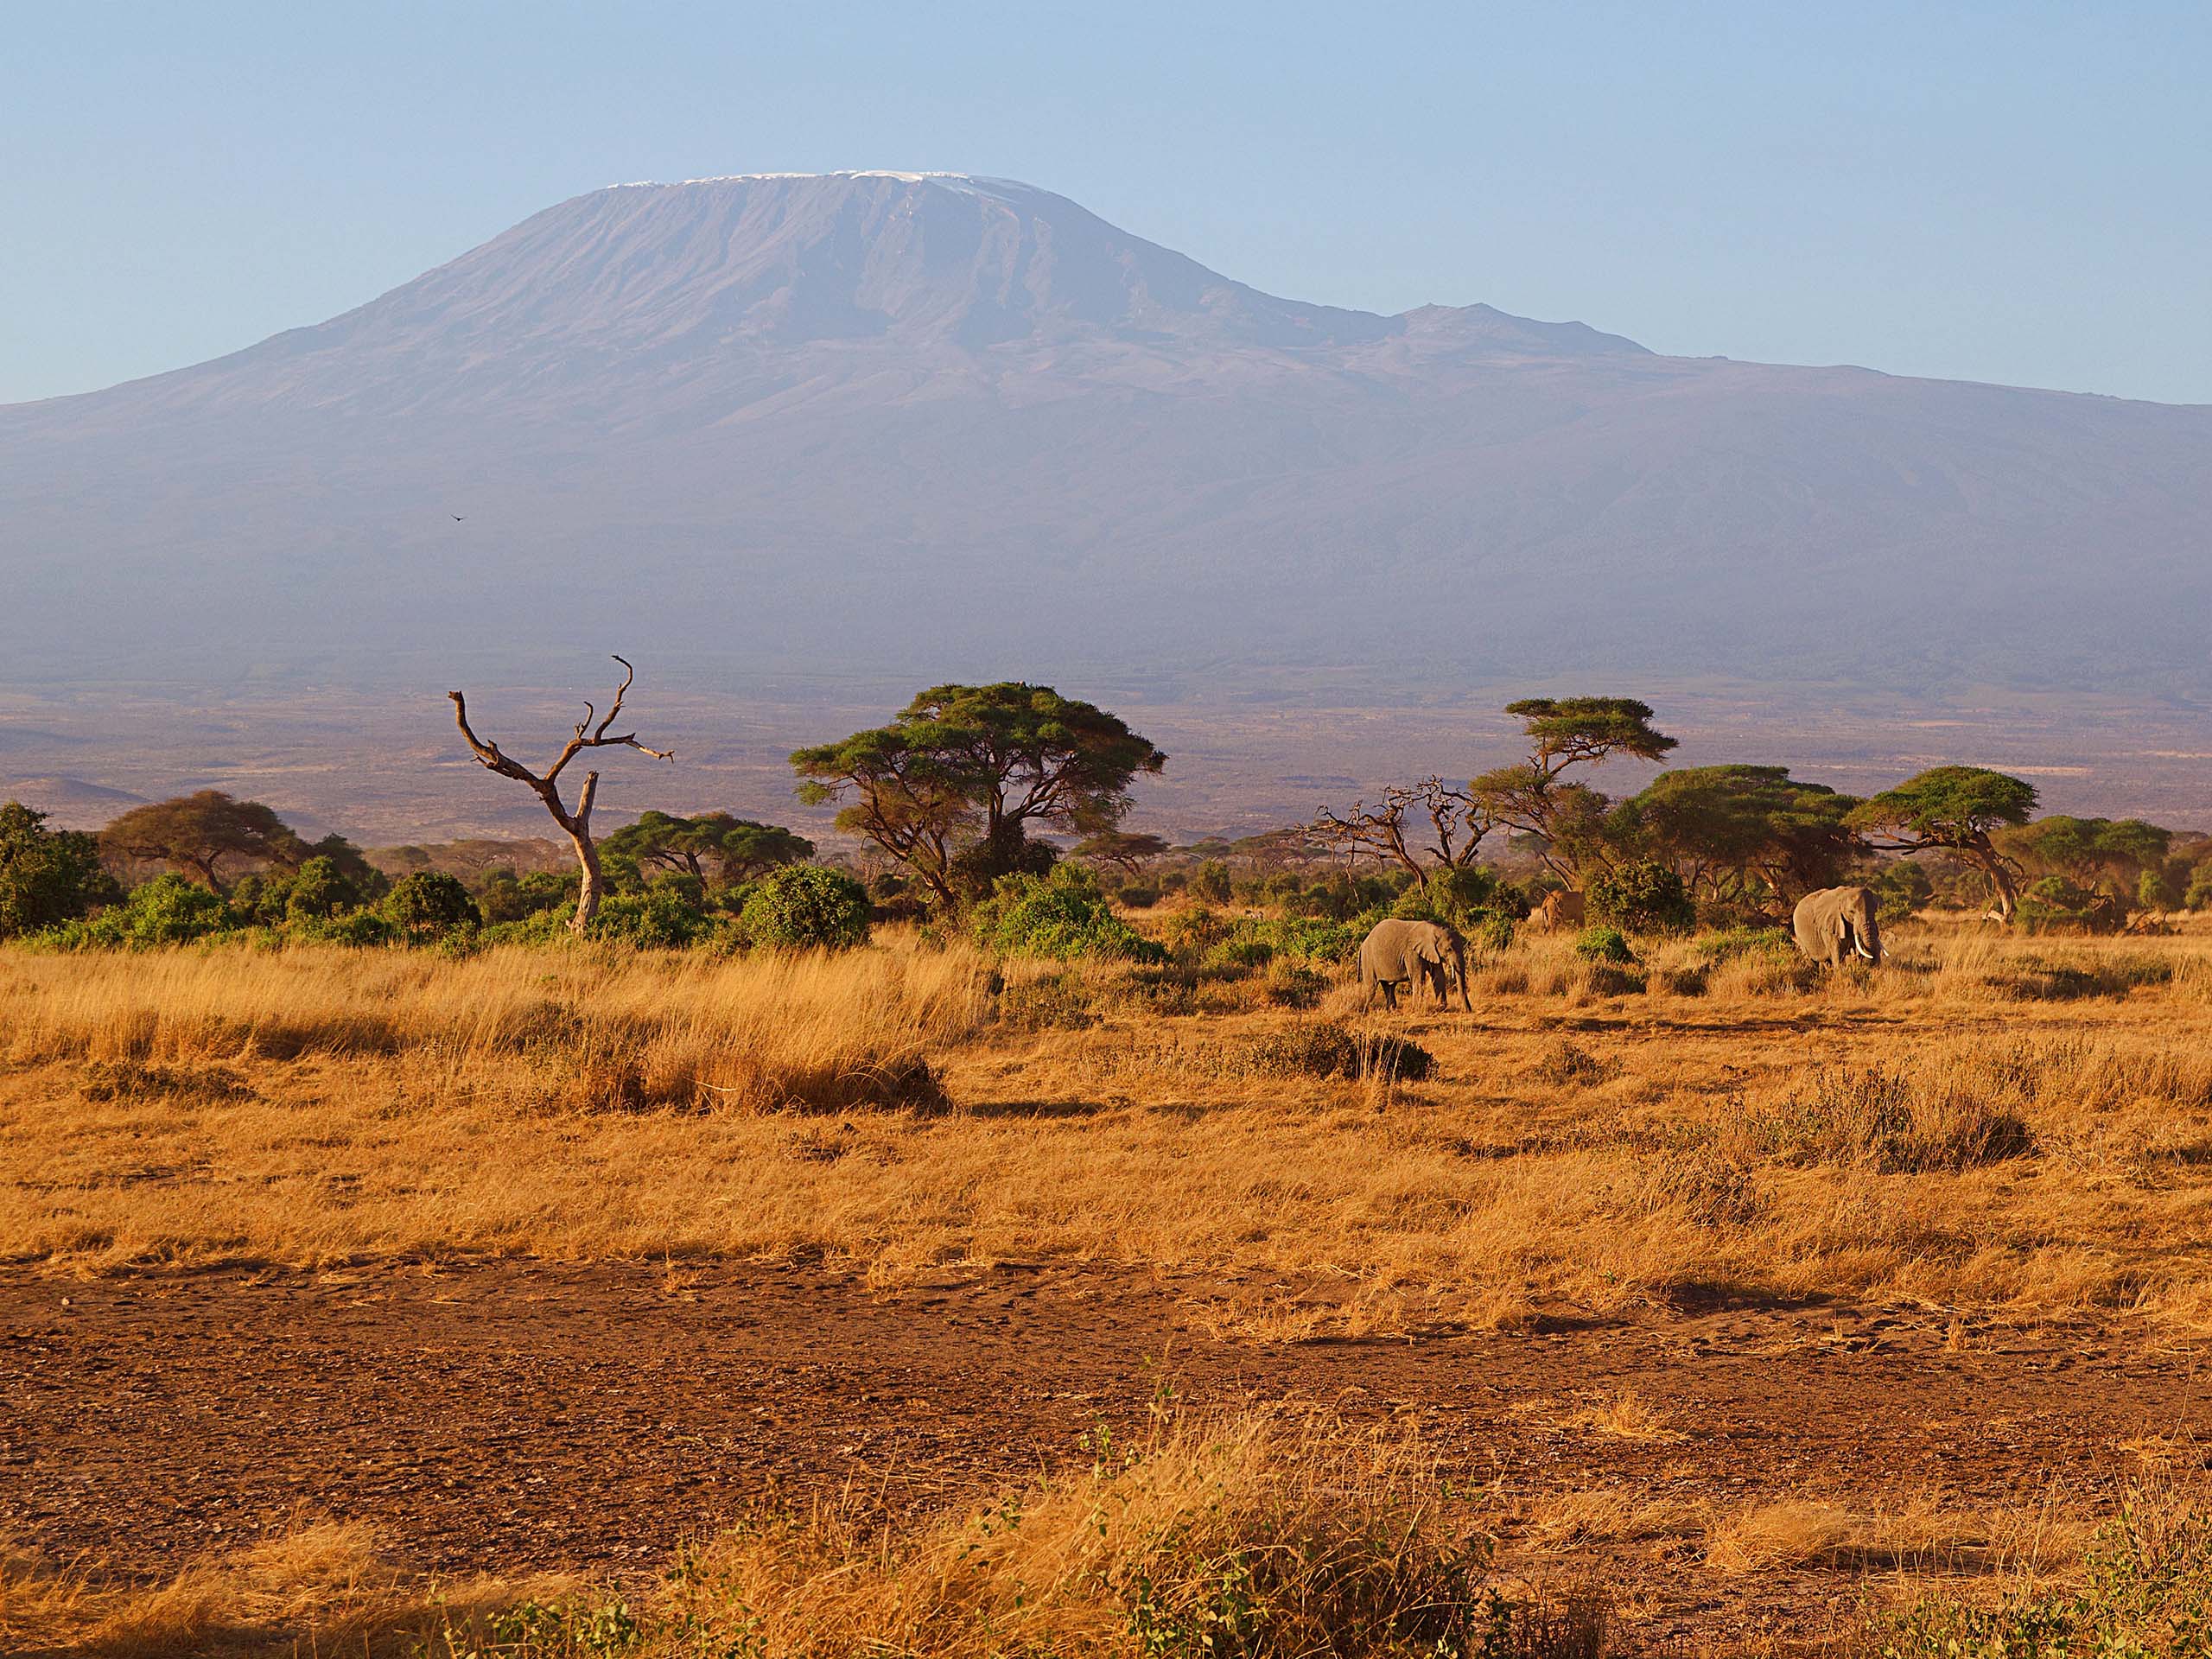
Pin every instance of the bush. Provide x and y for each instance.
(2199, 896)
(47, 876)
(357, 928)
(429, 904)
(1605, 945)
(1643, 896)
(169, 910)
(1211, 882)
(807, 907)
(508, 897)
(1063, 915)
(662, 918)
(1254, 941)
(2056, 905)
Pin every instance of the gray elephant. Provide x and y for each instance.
(1404, 953)
(1836, 923)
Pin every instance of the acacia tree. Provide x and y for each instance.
(1456, 824)
(737, 849)
(2099, 853)
(1955, 810)
(1724, 827)
(194, 834)
(590, 734)
(1566, 819)
(1119, 849)
(955, 785)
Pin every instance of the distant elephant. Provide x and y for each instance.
(1560, 909)
(1836, 923)
(1402, 952)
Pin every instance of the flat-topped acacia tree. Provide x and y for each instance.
(1568, 819)
(953, 786)
(590, 734)
(1954, 810)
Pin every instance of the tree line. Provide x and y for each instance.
(970, 796)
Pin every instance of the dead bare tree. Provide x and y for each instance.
(577, 823)
(1456, 826)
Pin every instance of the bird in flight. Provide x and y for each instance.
(458, 520)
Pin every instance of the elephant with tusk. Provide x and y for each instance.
(1400, 952)
(1836, 923)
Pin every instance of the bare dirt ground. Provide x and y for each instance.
(500, 1416)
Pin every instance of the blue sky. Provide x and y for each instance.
(2016, 192)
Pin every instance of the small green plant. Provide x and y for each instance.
(1604, 943)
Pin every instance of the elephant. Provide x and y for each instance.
(1835, 924)
(1560, 909)
(1403, 952)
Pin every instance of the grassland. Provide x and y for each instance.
(1987, 1129)
(2016, 1124)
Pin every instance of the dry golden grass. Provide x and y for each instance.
(2013, 1123)
(321, 1587)
(1259, 1531)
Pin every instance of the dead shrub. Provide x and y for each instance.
(1326, 1048)
(1884, 1120)
(1564, 1062)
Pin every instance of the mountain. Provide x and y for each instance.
(882, 426)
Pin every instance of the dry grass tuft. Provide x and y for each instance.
(321, 1587)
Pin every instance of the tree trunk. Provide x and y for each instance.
(588, 890)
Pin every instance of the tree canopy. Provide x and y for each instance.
(197, 835)
(715, 847)
(1725, 827)
(1956, 808)
(959, 781)
(1567, 819)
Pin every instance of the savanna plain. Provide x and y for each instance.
(903, 1301)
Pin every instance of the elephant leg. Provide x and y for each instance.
(1389, 994)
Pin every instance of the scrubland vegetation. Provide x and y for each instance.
(1012, 1030)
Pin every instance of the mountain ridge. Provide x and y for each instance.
(941, 424)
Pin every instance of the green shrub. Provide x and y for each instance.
(808, 907)
(2199, 896)
(169, 910)
(508, 897)
(2056, 905)
(1211, 882)
(358, 928)
(1644, 896)
(47, 876)
(1254, 941)
(662, 918)
(429, 904)
(2145, 1594)
(1063, 915)
(1604, 945)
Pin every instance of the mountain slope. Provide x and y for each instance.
(884, 425)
